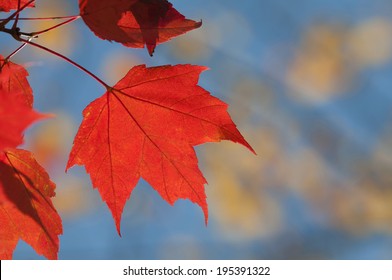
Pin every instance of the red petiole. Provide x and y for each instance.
(18, 35)
(105, 85)
(15, 14)
(32, 34)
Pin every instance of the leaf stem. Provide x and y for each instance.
(105, 85)
(16, 51)
(13, 15)
(32, 34)
(15, 25)
(44, 18)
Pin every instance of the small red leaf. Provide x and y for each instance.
(15, 117)
(146, 126)
(26, 210)
(7, 5)
(135, 23)
(13, 79)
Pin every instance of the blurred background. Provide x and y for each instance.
(309, 83)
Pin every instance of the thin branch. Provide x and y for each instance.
(105, 85)
(15, 25)
(12, 16)
(32, 34)
(16, 51)
(45, 18)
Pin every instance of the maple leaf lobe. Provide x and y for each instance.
(146, 126)
(15, 117)
(26, 210)
(13, 79)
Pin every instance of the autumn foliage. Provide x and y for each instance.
(145, 126)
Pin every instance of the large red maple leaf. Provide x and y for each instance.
(135, 23)
(7, 5)
(15, 117)
(13, 80)
(26, 210)
(146, 126)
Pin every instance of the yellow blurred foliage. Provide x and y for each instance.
(330, 55)
(73, 196)
(320, 69)
(249, 92)
(63, 39)
(246, 192)
(117, 64)
(193, 47)
(241, 202)
(370, 42)
(214, 36)
(50, 140)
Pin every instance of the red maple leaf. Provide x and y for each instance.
(26, 210)
(7, 5)
(135, 23)
(146, 126)
(15, 117)
(13, 79)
